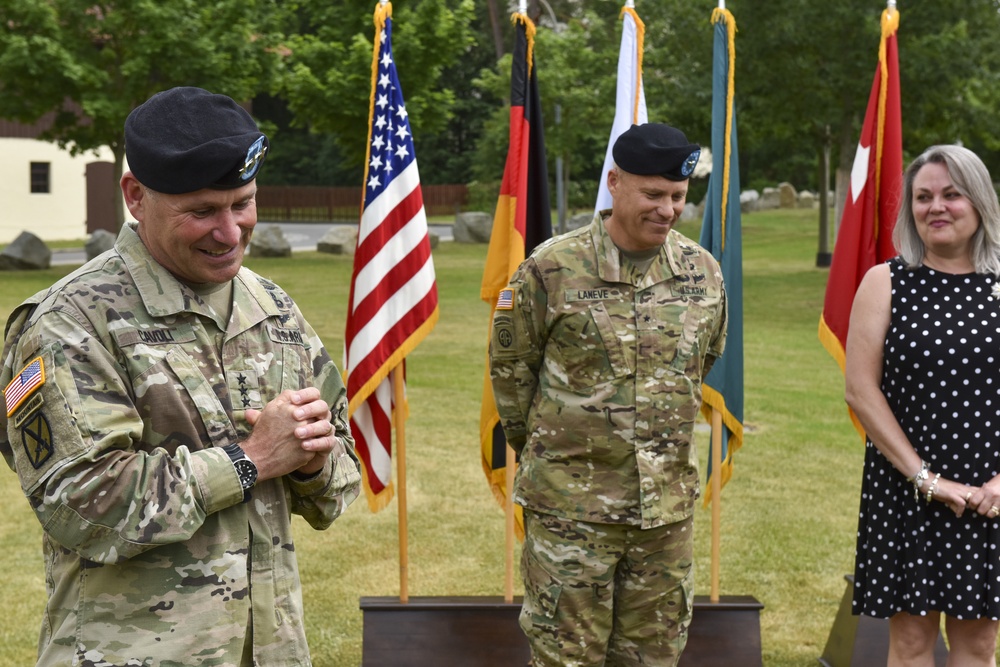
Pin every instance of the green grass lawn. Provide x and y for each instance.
(788, 516)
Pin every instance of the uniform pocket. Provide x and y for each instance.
(680, 606)
(541, 592)
(586, 348)
(293, 359)
(694, 328)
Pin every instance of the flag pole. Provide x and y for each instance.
(716, 486)
(716, 502)
(399, 417)
(510, 462)
(508, 579)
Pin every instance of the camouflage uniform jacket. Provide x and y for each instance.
(597, 370)
(151, 557)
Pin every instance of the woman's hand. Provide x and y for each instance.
(986, 499)
(958, 497)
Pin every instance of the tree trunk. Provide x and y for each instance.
(119, 153)
(848, 149)
(823, 255)
(495, 26)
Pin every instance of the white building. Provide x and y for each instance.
(43, 189)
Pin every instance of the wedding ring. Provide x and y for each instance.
(967, 496)
(995, 510)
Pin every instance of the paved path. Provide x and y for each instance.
(301, 236)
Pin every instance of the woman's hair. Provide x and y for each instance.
(971, 178)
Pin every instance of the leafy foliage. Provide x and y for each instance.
(327, 77)
(86, 64)
(92, 62)
(804, 70)
(803, 67)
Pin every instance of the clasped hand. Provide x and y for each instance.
(294, 432)
(984, 499)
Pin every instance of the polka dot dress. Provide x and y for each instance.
(941, 376)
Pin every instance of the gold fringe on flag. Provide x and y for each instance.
(529, 32)
(726, 16)
(382, 12)
(890, 24)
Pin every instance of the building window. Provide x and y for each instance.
(40, 177)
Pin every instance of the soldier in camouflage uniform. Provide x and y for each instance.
(167, 411)
(598, 350)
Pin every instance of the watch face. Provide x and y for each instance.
(247, 472)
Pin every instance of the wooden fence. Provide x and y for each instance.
(339, 204)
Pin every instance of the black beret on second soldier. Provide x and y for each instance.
(654, 149)
(186, 139)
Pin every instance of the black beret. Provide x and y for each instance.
(654, 149)
(186, 139)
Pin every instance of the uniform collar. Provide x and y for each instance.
(612, 267)
(163, 295)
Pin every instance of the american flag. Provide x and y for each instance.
(393, 302)
(29, 379)
(506, 299)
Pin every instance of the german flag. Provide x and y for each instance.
(873, 198)
(523, 219)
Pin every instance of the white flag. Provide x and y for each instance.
(630, 100)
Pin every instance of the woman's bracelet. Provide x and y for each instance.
(918, 478)
(932, 487)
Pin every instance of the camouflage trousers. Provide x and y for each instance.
(605, 594)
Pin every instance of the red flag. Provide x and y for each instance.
(394, 302)
(522, 220)
(865, 236)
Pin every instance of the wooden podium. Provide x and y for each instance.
(483, 632)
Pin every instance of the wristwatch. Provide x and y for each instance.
(246, 470)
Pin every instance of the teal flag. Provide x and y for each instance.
(721, 235)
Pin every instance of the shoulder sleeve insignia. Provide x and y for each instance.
(506, 299)
(24, 384)
(37, 438)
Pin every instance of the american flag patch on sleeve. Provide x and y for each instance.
(506, 299)
(28, 380)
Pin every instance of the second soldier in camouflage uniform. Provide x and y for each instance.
(168, 411)
(598, 350)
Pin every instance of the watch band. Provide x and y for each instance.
(246, 470)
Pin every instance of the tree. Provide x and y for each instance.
(949, 62)
(805, 69)
(949, 76)
(577, 65)
(327, 76)
(89, 63)
(450, 151)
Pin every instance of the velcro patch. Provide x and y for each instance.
(129, 336)
(244, 389)
(506, 299)
(689, 290)
(285, 336)
(36, 436)
(26, 409)
(24, 384)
